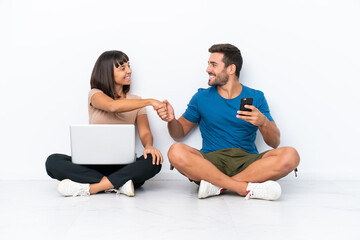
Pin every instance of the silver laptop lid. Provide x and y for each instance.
(103, 143)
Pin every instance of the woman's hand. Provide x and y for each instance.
(165, 111)
(157, 104)
(157, 157)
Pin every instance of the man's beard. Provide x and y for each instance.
(220, 80)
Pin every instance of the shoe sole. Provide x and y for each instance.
(132, 192)
(277, 193)
(60, 185)
(276, 190)
(201, 190)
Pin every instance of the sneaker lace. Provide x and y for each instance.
(214, 190)
(251, 191)
(269, 190)
(249, 194)
(117, 191)
(82, 192)
(257, 191)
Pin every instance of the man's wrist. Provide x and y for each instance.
(265, 122)
(171, 119)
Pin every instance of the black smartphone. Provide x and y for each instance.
(245, 101)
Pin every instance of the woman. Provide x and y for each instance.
(110, 103)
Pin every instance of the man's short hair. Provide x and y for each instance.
(232, 55)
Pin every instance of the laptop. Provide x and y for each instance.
(95, 144)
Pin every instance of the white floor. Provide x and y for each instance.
(169, 209)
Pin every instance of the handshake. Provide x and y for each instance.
(164, 110)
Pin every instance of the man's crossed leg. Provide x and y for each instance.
(255, 181)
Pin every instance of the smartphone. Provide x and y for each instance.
(245, 101)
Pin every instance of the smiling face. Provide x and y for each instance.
(122, 74)
(217, 71)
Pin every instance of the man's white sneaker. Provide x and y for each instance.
(69, 188)
(207, 189)
(126, 189)
(269, 190)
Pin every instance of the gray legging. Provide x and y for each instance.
(60, 167)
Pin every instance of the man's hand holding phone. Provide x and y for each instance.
(250, 113)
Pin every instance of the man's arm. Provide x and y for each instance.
(178, 129)
(270, 133)
(268, 129)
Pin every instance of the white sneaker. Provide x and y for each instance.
(207, 189)
(69, 188)
(269, 190)
(126, 189)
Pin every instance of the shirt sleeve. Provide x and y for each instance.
(192, 113)
(91, 93)
(264, 107)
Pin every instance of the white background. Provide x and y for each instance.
(304, 55)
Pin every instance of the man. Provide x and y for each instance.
(229, 158)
